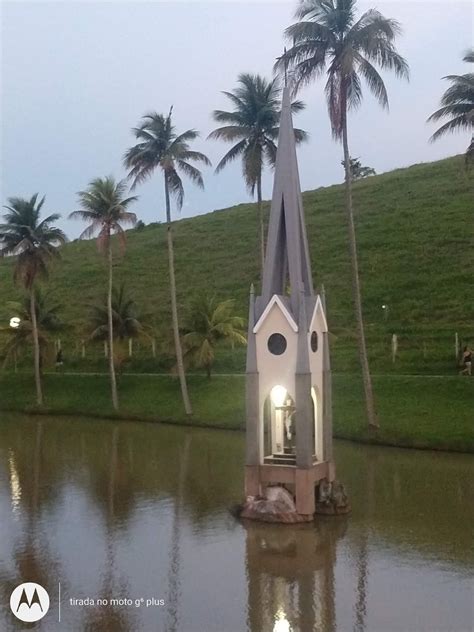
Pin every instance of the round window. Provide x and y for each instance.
(277, 344)
(314, 341)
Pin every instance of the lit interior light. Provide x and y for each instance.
(15, 322)
(278, 395)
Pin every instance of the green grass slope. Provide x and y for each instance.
(415, 230)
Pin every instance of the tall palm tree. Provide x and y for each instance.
(253, 126)
(19, 338)
(457, 104)
(35, 244)
(161, 147)
(328, 37)
(105, 209)
(211, 322)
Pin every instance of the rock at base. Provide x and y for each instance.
(276, 506)
(331, 499)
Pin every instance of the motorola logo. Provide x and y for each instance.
(29, 602)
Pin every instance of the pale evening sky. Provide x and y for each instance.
(76, 76)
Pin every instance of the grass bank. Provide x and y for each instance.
(414, 231)
(415, 411)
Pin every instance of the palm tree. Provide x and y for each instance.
(126, 321)
(20, 337)
(358, 172)
(457, 104)
(328, 37)
(104, 207)
(211, 322)
(35, 244)
(253, 123)
(161, 147)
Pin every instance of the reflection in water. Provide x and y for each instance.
(290, 574)
(361, 605)
(30, 557)
(362, 546)
(121, 510)
(110, 618)
(174, 592)
(15, 487)
(281, 623)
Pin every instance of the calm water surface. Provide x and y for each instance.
(129, 511)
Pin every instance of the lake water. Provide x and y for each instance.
(129, 511)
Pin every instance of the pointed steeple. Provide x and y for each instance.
(287, 255)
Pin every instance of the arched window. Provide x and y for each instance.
(279, 427)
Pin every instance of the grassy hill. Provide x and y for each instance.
(415, 229)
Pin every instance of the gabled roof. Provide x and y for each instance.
(276, 300)
(319, 308)
(287, 246)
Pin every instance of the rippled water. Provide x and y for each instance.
(137, 511)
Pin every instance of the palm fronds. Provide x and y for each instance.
(328, 38)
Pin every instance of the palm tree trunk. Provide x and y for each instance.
(36, 348)
(356, 295)
(174, 307)
(113, 381)
(262, 225)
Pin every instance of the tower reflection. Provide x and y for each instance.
(290, 575)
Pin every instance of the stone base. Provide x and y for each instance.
(280, 518)
(276, 506)
(301, 481)
(331, 499)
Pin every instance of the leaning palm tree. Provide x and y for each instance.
(253, 126)
(35, 244)
(20, 337)
(105, 209)
(328, 37)
(161, 147)
(211, 322)
(457, 104)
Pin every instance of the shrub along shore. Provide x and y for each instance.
(427, 412)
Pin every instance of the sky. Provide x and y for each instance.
(77, 76)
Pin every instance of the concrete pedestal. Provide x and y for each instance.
(302, 481)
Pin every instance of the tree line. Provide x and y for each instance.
(327, 39)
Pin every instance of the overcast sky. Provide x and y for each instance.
(76, 76)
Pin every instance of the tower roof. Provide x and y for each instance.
(287, 255)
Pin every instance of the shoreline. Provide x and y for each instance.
(424, 414)
(203, 425)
